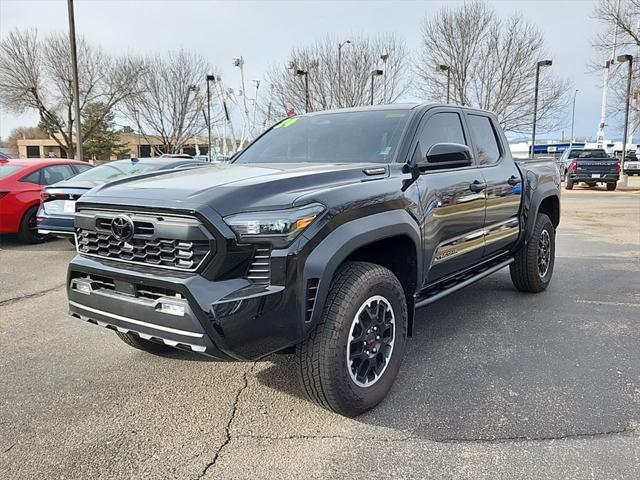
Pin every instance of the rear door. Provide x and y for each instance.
(503, 183)
(453, 208)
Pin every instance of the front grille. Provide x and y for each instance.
(260, 269)
(142, 291)
(167, 242)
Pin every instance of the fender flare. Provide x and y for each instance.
(539, 196)
(327, 256)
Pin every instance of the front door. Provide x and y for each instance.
(452, 205)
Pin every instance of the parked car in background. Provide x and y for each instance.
(57, 206)
(21, 183)
(632, 163)
(589, 165)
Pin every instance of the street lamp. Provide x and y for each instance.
(446, 68)
(76, 88)
(256, 83)
(384, 56)
(210, 78)
(541, 63)
(299, 73)
(573, 116)
(622, 59)
(340, 45)
(374, 74)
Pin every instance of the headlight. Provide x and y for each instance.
(279, 227)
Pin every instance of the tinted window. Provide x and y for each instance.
(33, 151)
(56, 173)
(82, 168)
(484, 138)
(6, 170)
(33, 177)
(444, 127)
(118, 169)
(347, 137)
(591, 153)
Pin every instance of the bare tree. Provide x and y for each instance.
(358, 60)
(492, 66)
(36, 74)
(172, 100)
(622, 22)
(21, 133)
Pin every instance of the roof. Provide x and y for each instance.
(29, 162)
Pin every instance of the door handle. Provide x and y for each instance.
(513, 180)
(477, 186)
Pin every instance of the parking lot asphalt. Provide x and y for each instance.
(495, 383)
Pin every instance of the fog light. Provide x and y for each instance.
(172, 309)
(83, 287)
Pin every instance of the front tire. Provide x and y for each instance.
(351, 358)
(146, 345)
(533, 266)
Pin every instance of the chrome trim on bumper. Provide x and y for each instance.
(136, 322)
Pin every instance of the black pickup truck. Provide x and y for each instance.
(323, 238)
(590, 166)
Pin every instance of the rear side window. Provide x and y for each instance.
(33, 177)
(485, 139)
(56, 173)
(6, 170)
(444, 127)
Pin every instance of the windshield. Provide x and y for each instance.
(6, 170)
(345, 137)
(592, 153)
(115, 170)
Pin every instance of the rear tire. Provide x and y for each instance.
(533, 266)
(28, 230)
(339, 372)
(611, 186)
(146, 345)
(568, 183)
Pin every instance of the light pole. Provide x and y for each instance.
(573, 116)
(374, 74)
(76, 88)
(541, 63)
(384, 56)
(136, 114)
(629, 59)
(340, 45)
(299, 72)
(183, 114)
(447, 68)
(256, 83)
(210, 78)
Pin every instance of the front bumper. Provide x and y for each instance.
(226, 319)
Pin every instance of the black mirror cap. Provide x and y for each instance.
(447, 155)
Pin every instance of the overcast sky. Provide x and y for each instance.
(263, 32)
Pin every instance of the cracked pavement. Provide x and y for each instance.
(494, 384)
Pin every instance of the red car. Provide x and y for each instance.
(21, 182)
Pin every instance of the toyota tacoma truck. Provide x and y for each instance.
(322, 238)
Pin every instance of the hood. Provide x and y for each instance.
(230, 188)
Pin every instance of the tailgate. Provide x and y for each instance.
(602, 167)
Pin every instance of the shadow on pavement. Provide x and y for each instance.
(492, 363)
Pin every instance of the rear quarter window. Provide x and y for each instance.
(6, 170)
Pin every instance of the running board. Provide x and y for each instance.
(436, 293)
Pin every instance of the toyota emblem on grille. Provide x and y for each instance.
(122, 228)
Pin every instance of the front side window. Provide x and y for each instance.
(444, 127)
(345, 137)
(484, 138)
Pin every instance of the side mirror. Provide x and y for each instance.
(446, 155)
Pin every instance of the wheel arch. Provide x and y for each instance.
(390, 239)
